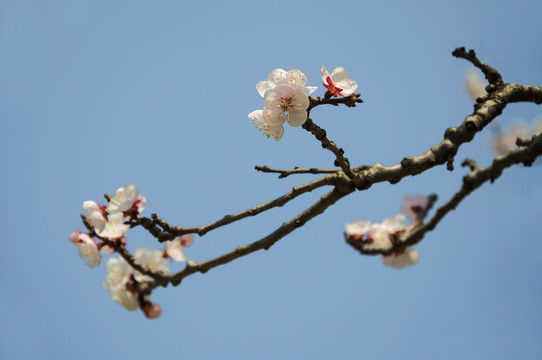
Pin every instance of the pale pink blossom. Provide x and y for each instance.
(338, 83)
(285, 103)
(400, 260)
(120, 275)
(153, 259)
(278, 77)
(96, 214)
(357, 228)
(174, 249)
(87, 247)
(394, 224)
(115, 228)
(127, 200)
(412, 206)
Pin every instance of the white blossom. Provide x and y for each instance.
(398, 261)
(125, 198)
(285, 103)
(115, 228)
(95, 214)
(152, 259)
(119, 275)
(174, 249)
(357, 228)
(87, 248)
(412, 205)
(338, 83)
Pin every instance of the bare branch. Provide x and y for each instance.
(350, 101)
(265, 243)
(491, 74)
(320, 135)
(169, 232)
(296, 170)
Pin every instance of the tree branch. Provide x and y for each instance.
(296, 170)
(350, 101)
(265, 243)
(170, 232)
(478, 176)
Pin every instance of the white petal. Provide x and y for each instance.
(276, 131)
(310, 89)
(399, 261)
(296, 77)
(274, 116)
(278, 77)
(91, 206)
(339, 74)
(348, 86)
(395, 223)
(358, 227)
(256, 115)
(174, 250)
(297, 118)
(263, 86)
(325, 74)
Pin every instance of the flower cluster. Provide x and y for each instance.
(285, 99)
(383, 236)
(124, 282)
(109, 225)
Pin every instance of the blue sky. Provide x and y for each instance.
(95, 95)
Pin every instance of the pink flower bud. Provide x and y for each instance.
(152, 311)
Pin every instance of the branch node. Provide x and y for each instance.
(450, 162)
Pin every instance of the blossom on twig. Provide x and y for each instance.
(338, 83)
(293, 77)
(87, 247)
(173, 249)
(122, 280)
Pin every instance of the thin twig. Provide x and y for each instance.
(296, 170)
(350, 101)
(169, 232)
(320, 135)
(265, 243)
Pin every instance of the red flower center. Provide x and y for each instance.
(333, 90)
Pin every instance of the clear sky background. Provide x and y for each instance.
(95, 95)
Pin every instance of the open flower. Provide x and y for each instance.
(338, 83)
(96, 214)
(88, 249)
(121, 276)
(115, 228)
(285, 103)
(127, 200)
(279, 77)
